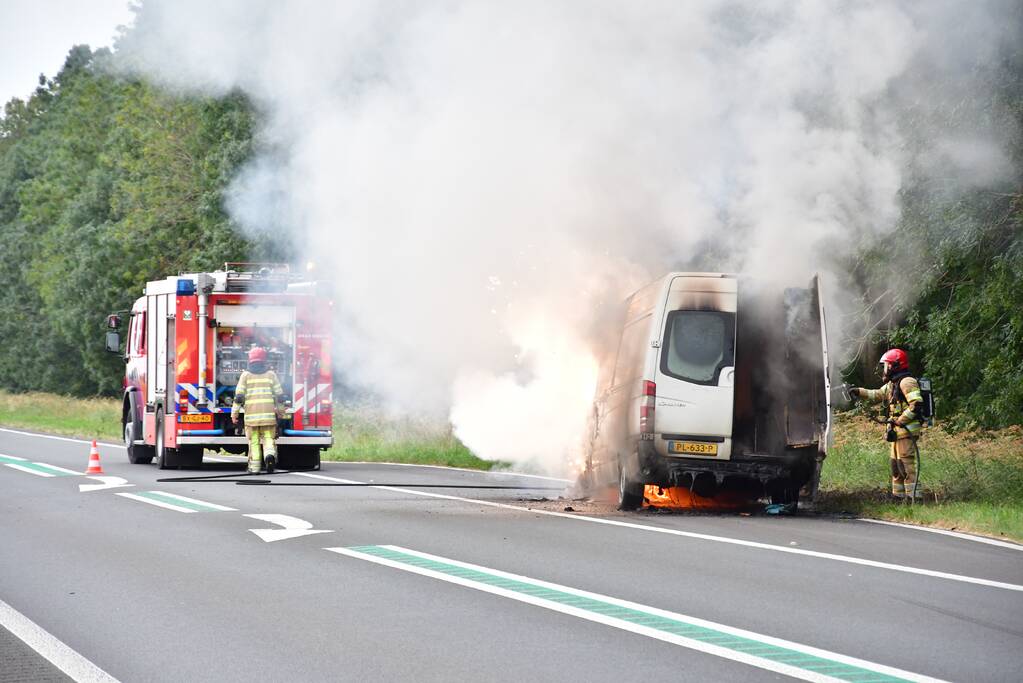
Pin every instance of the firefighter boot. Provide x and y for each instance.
(270, 461)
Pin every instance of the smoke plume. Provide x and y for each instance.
(482, 180)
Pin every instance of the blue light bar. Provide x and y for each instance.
(186, 287)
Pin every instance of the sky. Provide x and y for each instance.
(35, 36)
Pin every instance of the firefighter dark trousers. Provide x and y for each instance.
(262, 441)
(904, 454)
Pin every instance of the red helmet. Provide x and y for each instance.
(257, 354)
(898, 360)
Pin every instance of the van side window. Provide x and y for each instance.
(697, 345)
(632, 350)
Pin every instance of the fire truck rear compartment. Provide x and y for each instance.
(240, 328)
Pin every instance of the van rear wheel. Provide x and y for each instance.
(630, 493)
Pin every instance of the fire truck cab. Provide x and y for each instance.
(187, 344)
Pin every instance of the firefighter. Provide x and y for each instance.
(260, 392)
(903, 402)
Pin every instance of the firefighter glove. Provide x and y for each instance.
(854, 392)
(891, 435)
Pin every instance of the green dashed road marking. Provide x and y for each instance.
(180, 503)
(40, 467)
(802, 661)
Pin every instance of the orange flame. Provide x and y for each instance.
(678, 497)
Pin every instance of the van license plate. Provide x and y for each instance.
(694, 447)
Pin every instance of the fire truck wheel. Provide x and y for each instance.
(163, 454)
(138, 454)
(189, 457)
(298, 458)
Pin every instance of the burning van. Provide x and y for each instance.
(714, 382)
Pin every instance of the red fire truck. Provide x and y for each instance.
(187, 343)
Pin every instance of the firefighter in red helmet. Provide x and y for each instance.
(260, 392)
(903, 404)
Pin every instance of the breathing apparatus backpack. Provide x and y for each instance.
(927, 405)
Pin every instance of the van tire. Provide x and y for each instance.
(783, 491)
(630, 493)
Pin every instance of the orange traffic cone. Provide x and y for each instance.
(94, 467)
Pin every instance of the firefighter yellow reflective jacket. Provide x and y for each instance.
(903, 405)
(259, 393)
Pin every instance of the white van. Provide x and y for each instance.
(714, 382)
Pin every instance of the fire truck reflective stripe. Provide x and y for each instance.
(766, 652)
(193, 396)
(174, 502)
(310, 400)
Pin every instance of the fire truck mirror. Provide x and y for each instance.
(113, 321)
(113, 342)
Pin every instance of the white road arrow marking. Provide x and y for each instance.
(107, 483)
(293, 528)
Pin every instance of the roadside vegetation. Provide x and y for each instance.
(972, 481)
(85, 418)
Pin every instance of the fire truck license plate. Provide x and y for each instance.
(694, 447)
(195, 418)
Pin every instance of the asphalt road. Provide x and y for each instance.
(455, 584)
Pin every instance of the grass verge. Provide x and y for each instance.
(363, 433)
(971, 481)
(88, 418)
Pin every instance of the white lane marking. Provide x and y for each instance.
(946, 532)
(193, 501)
(60, 469)
(692, 534)
(11, 457)
(105, 483)
(42, 469)
(51, 648)
(293, 527)
(22, 468)
(173, 501)
(158, 503)
(617, 622)
(60, 438)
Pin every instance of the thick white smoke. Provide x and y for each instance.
(480, 178)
